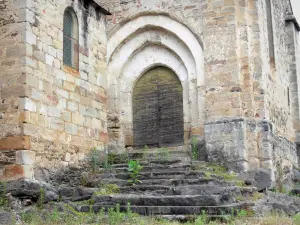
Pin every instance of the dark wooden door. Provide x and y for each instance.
(158, 109)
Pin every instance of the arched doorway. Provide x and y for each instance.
(158, 109)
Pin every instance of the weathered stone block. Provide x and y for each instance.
(68, 157)
(62, 93)
(49, 59)
(30, 38)
(69, 86)
(27, 104)
(15, 143)
(66, 116)
(25, 157)
(17, 172)
(54, 111)
(24, 117)
(72, 106)
(77, 119)
(17, 91)
(71, 128)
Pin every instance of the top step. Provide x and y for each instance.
(181, 152)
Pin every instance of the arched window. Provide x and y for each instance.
(71, 37)
(270, 31)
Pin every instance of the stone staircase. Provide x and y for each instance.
(172, 186)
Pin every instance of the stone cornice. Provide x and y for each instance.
(292, 18)
(98, 6)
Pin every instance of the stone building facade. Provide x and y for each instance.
(140, 72)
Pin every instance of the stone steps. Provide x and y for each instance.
(161, 174)
(187, 189)
(188, 218)
(154, 168)
(170, 182)
(152, 200)
(169, 187)
(158, 163)
(174, 153)
(174, 210)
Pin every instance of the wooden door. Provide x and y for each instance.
(158, 109)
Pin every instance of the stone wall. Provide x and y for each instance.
(232, 80)
(278, 108)
(13, 50)
(66, 112)
(63, 111)
(281, 92)
(262, 96)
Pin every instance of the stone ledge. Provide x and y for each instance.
(15, 143)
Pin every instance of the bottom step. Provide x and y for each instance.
(175, 210)
(189, 218)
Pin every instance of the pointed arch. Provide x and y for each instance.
(153, 21)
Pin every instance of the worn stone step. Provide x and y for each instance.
(169, 182)
(169, 149)
(152, 200)
(159, 153)
(188, 218)
(204, 189)
(143, 189)
(178, 190)
(151, 167)
(156, 169)
(175, 210)
(169, 161)
(159, 156)
(158, 163)
(161, 174)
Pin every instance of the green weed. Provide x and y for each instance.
(145, 153)
(242, 213)
(41, 199)
(3, 198)
(240, 198)
(195, 153)
(164, 154)
(202, 219)
(94, 159)
(107, 189)
(296, 219)
(134, 168)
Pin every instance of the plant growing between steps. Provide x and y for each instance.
(195, 154)
(94, 159)
(202, 219)
(107, 189)
(3, 198)
(134, 168)
(146, 153)
(164, 154)
(41, 200)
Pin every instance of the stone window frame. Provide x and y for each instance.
(71, 37)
